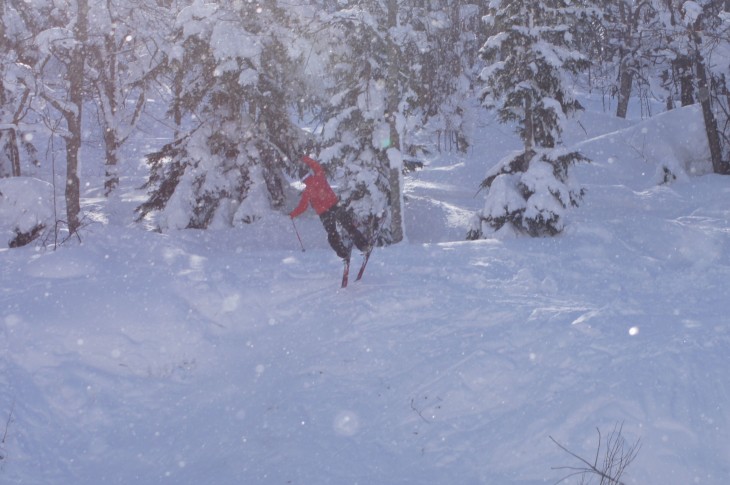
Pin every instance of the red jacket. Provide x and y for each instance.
(317, 191)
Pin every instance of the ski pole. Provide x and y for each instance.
(297, 233)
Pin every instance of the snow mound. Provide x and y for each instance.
(25, 203)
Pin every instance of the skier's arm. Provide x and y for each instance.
(316, 167)
(302, 206)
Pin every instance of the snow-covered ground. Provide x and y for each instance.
(231, 357)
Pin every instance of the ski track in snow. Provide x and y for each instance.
(382, 368)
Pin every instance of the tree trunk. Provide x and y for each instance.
(683, 65)
(630, 15)
(625, 76)
(529, 134)
(9, 153)
(626, 80)
(703, 88)
(73, 117)
(111, 174)
(12, 139)
(177, 89)
(14, 152)
(713, 137)
(394, 175)
(108, 90)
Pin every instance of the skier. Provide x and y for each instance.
(325, 203)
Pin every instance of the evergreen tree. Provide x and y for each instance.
(396, 69)
(529, 53)
(238, 71)
(365, 117)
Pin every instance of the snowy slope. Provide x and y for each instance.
(226, 357)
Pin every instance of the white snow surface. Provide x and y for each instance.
(232, 357)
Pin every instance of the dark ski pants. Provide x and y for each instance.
(335, 215)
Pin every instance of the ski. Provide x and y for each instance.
(366, 258)
(364, 263)
(346, 272)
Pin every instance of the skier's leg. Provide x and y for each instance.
(329, 221)
(348, 224)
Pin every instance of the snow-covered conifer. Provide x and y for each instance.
(529, 55)
(364, 121)
(238, 68)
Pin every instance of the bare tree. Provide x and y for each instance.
(15, 93)
(68, 54)
(613, 457)
(5, 432)
(125, 55)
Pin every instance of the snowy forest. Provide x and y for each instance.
(236, 92)
(546, 184)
